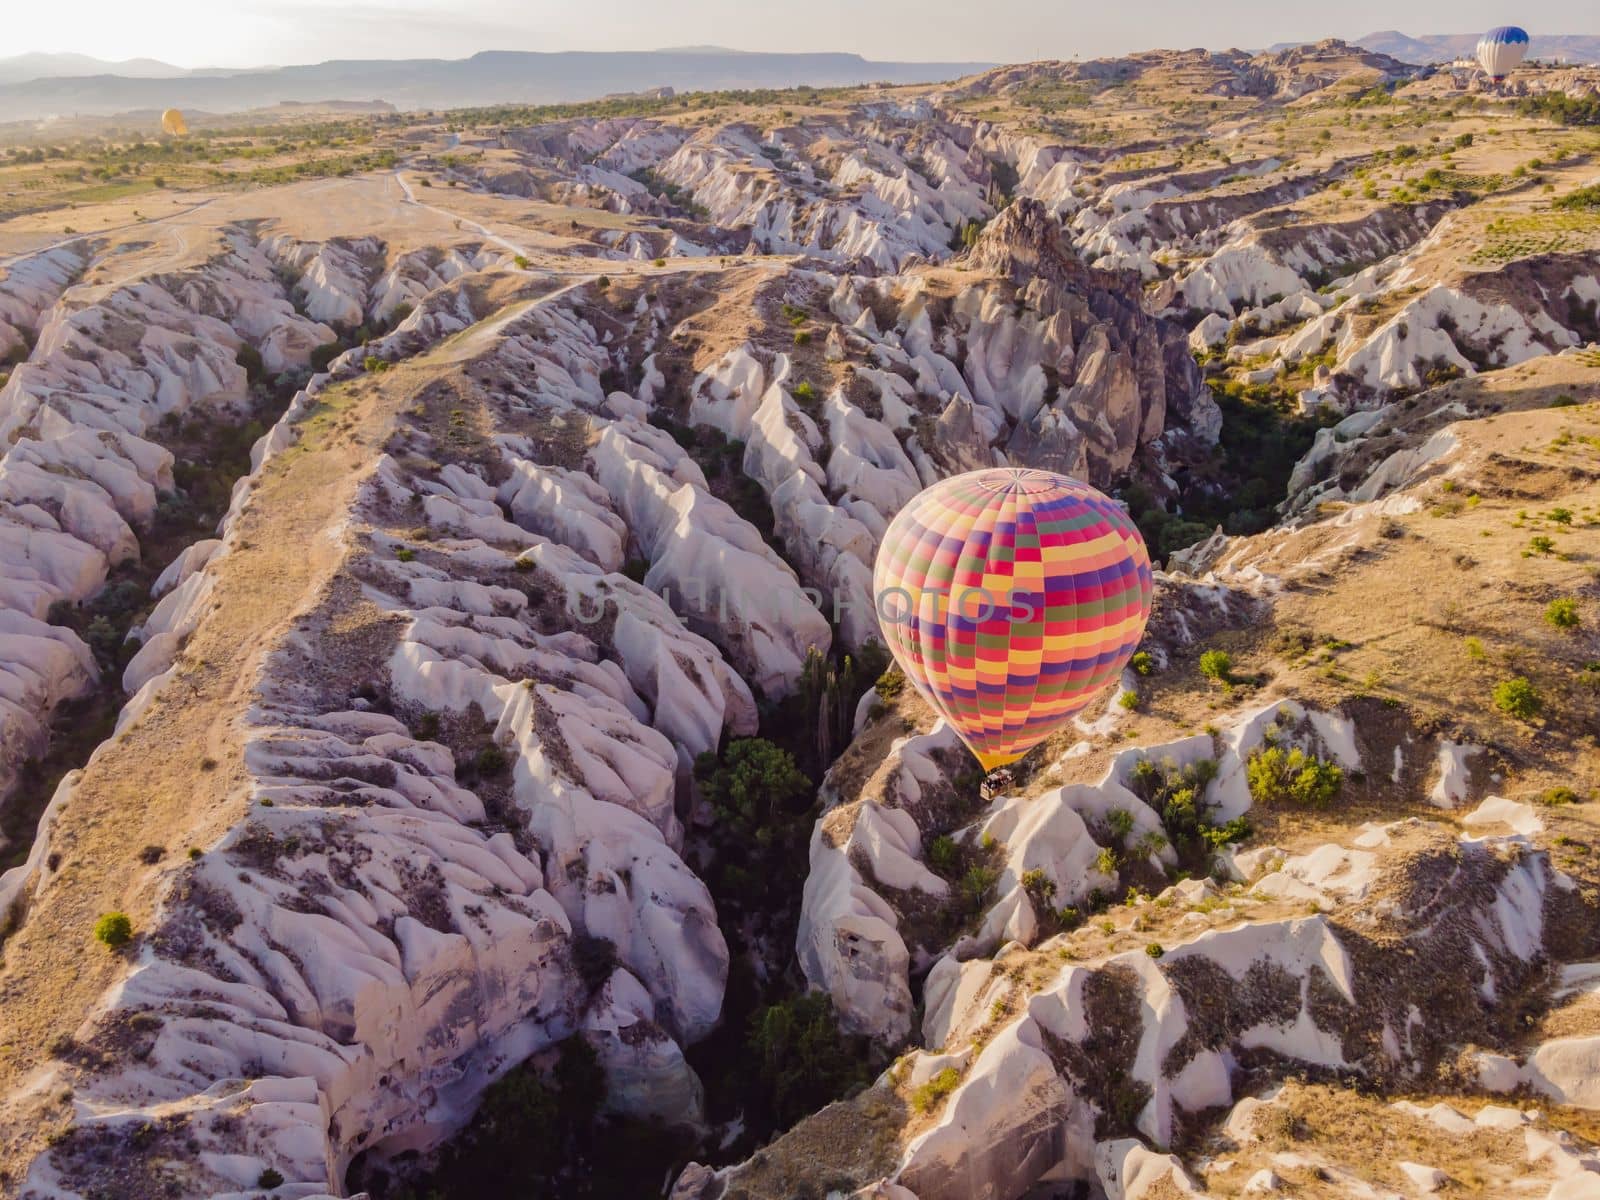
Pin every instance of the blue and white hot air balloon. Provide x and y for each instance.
(1501, 49)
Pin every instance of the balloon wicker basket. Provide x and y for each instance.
(996, 781)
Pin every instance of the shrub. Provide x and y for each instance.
(491, 760)
(373, 365)
(1518, 697)
(943, 854)
(890, 684)
(659, 262)
(1588, 197)
(1129, 701)
(1142, 663)
(522, 262)
(801, 337)
(1177, 794)
(636, 569)
(1540, 544)
(269, 1179)
(1292, 777)
(1038, 884)
(1557, 796)
(594, 959)
(1217, 665)
(1564, 401)
(804, 391)
(1563, 613)
(405, 554)
(935, 1090)
(603, 282)
(1120, 822)
(113, 929)
(1106, 861)
(195, 852)
(248, 357)
(1218, 836)
(977, 883)
(1561, 516)
(1154, 950)
(1474, 647)
(325, 354)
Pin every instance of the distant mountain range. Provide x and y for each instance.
(36, 86)
(1445, 47)
(22, 67)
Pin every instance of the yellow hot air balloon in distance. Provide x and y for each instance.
(172, 122)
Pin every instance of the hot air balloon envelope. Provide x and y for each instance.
(1501, 49)
(172, 122)
(1010, 597)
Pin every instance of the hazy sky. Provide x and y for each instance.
(252, 32)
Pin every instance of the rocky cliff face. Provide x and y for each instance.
(83, 420)
(1058, 1040)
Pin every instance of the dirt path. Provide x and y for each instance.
(175, 777)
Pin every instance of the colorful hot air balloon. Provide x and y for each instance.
(172, 122)
(1501, 49)
(1010, 597)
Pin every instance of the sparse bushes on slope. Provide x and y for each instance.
(936, 1089)
(1562, 108)
(1177, 794)
(1583, 198)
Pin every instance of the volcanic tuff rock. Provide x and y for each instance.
(403, 790)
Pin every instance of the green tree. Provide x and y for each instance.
(801, 1059)
(1562, 612)
(1217, 665)
(1518, 697)
(113, 929)
(755, 785)
(1292, 777)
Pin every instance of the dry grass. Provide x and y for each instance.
(1363, 1137)
(149, 784)
(846, 1145)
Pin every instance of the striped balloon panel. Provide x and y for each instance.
(1011, 597)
